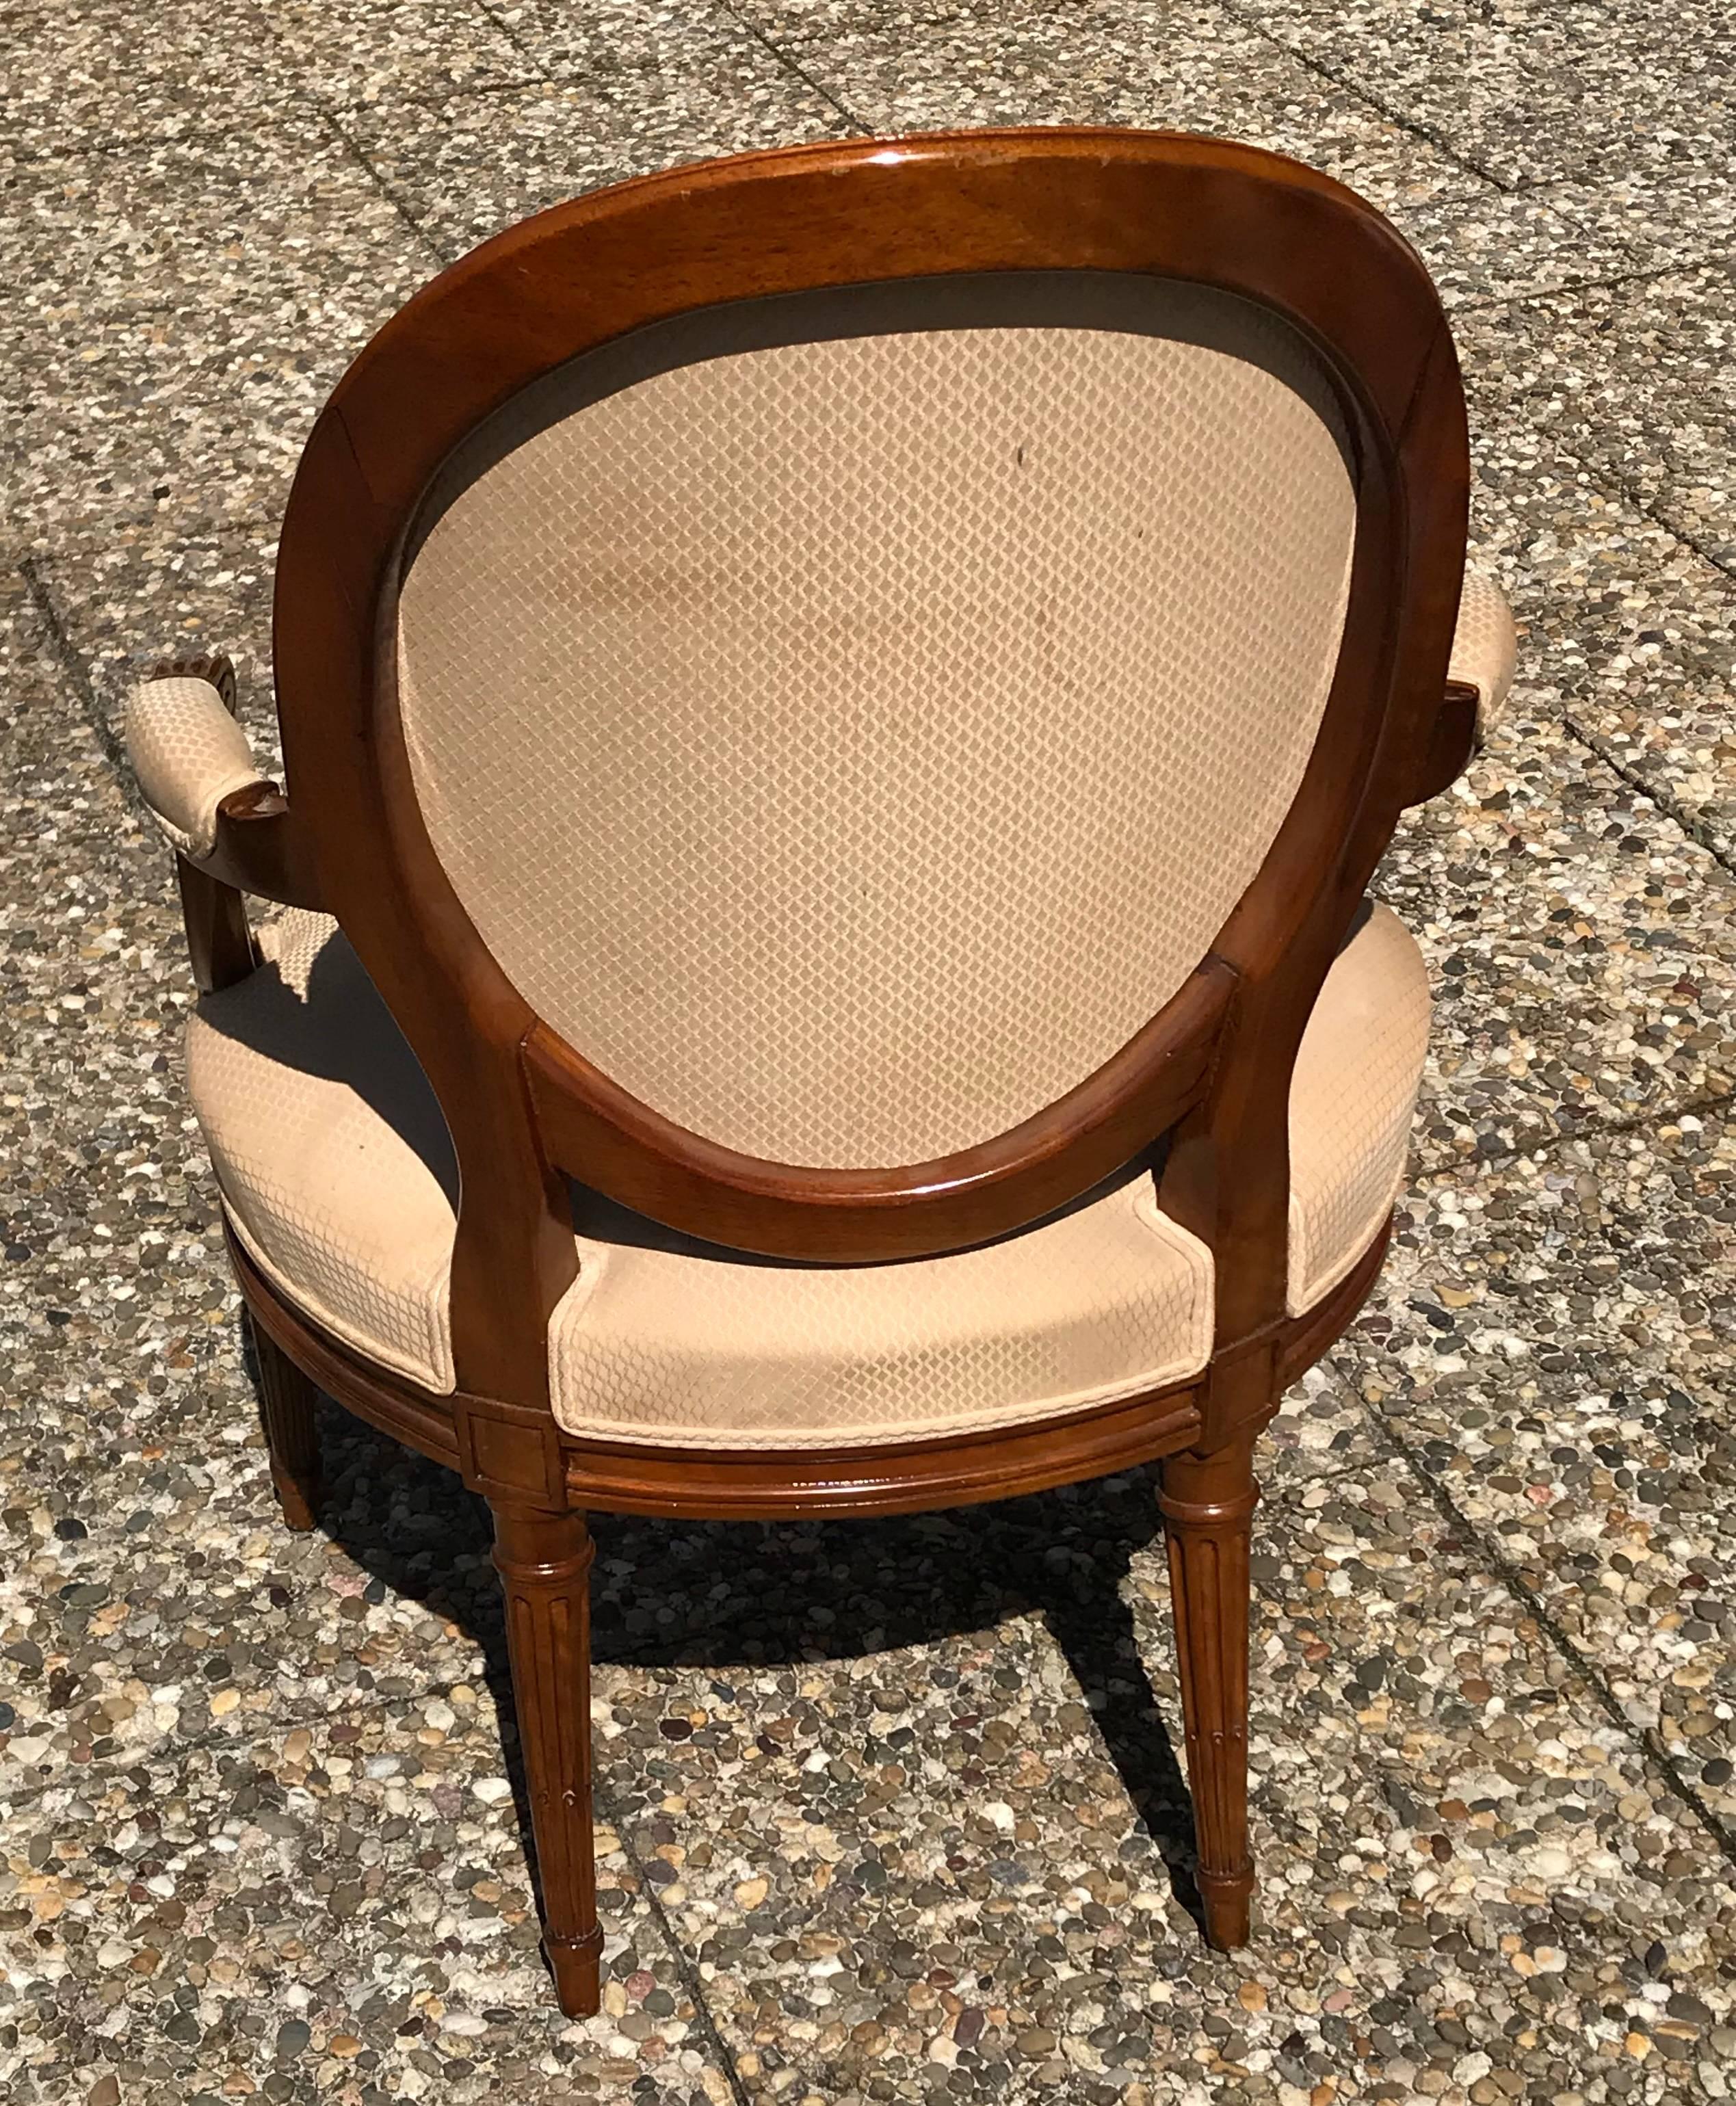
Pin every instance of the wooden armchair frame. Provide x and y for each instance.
(1211, 1069)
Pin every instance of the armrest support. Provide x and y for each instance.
(1478, 676)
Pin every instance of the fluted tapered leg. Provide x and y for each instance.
(1207, 1502)
(543, 1560)
(288, 1403)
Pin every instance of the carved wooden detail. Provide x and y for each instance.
(288, 1404)
(543, 1560)
(1208, 1503)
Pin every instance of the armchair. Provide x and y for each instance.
(839, 709)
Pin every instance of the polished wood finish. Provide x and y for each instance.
(1207, 1502)
(289, 1403)
(593, 1129)
(259, 849)
(543, 1560)
(220, 943)
(1211, 1070)
(1453, 740)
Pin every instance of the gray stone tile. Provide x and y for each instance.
(487, 161)
(1668, 219)
(179, 320)
(1554, 1340)
(624, 40)
(340, 1912)
(1491, 244)
(1637, 380)
(106, 73)
(1581, 951)
(1532, 93)
(1636, 627)
(126, 603)
(350, 53)
(1189, 67)
(930, 1855)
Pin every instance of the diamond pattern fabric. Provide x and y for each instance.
(188, 754)
(336, 1168)
(1485, 647)
(338, 1175)
(1352, 1092)
(848, 744)
(664, 1340)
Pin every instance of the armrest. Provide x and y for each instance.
(1479, 674)
(205, 789)
(186, 749)
(1485, 649)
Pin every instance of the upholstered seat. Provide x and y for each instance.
(338, 1177)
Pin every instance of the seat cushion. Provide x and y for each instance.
(335, 1166)
(338, 1175)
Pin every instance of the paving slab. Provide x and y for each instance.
(943, 1864)
(1634, 627)
(482, 163)
(312, 1913)
(1553, 1340)
(107, 73)
(1531, 93)
(350, 53)
(180, 315)
(1581, 944)
(1189, 67)
(1636, 378)
(130, 600)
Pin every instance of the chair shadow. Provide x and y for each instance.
(768, 1594)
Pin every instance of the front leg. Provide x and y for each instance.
(288, 1402)
(1207, 1502)
(543, 1560)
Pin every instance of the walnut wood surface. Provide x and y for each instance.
(287, 1404)
(1453, 740)
(1207, 1502)
(543, 1560)
(260, 850)
(595, 1130)
(772, 1484)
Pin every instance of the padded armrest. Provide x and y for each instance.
(1479, 672)
(188, 753)
(1485, 648)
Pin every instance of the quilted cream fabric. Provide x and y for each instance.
(1353, 1092)
(338, 1174)
(188, 754)
(920, 702)
(1485, 647)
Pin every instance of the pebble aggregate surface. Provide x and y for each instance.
(891, 1811)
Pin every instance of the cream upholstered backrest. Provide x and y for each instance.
(849, 717)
